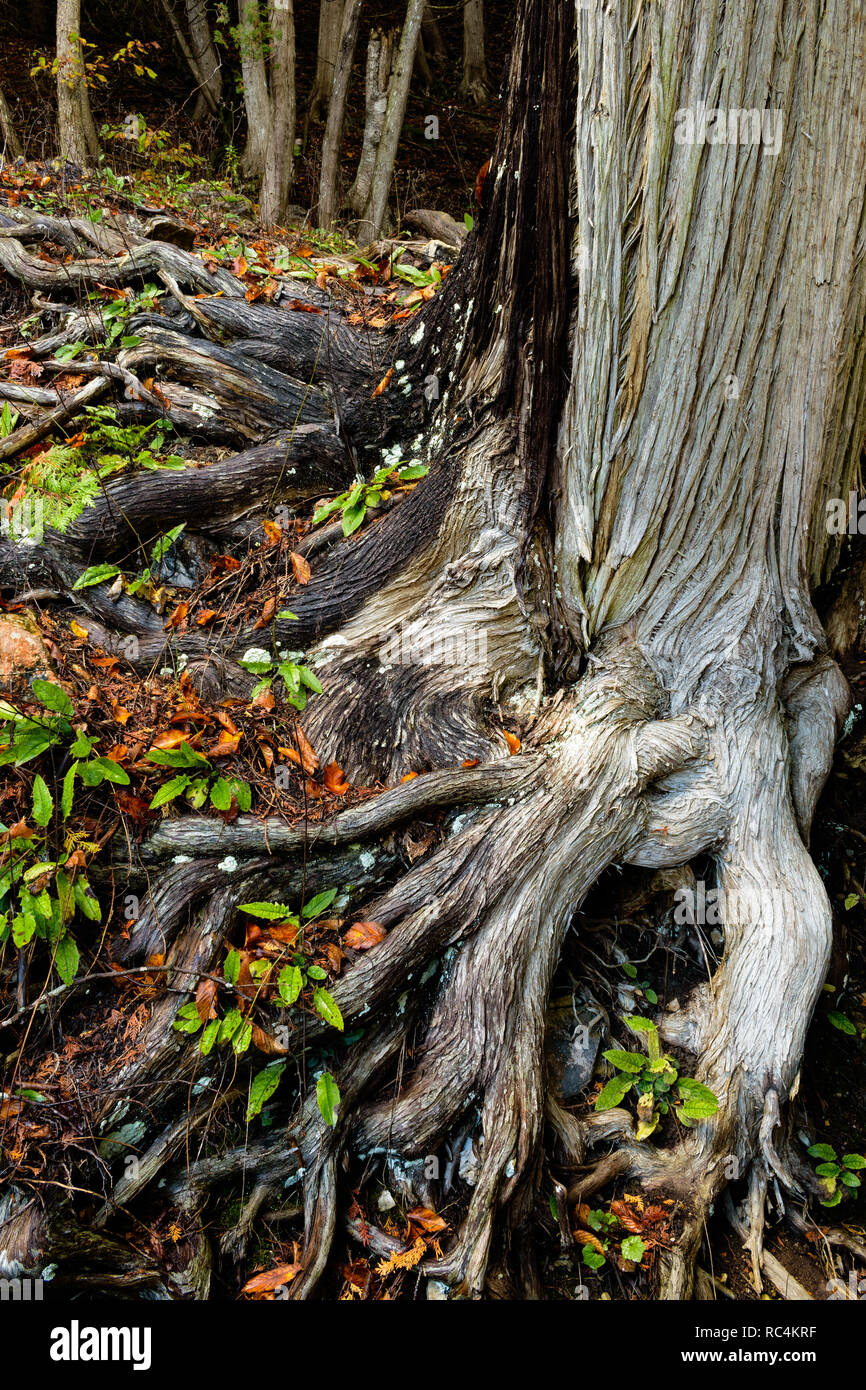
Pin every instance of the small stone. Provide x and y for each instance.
(23, 653)
(386, 1201)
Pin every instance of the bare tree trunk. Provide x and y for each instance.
(204, 96)
(333, 139)
(650, 366)
(432, 36)
(257, 103)
(280, 154)
(475, 83)
(78, 139)
(375, 209)
(330, 29)
(205, 57)
(380, 52)
(11, 144)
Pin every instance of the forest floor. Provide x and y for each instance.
(45, 1115)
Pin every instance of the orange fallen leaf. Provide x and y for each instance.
(273, 533)
(169, 738)
(121, 715)
(470, 762)
(512, 740)
(227, 745)
(271, 1279)
(364, 935)
(409, 776)
(384, 383)
(425, 1219)
(205, 997)
(267, 613)
(300, 568)
(335, 781)
(206, 616)
(177, 616)
(77, 630)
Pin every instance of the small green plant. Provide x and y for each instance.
(654, 1077)
(40, 889)
(197, 780)
(294, 979)
(605, 1225)
(114, 316)
(361, 496)
(645, 986)
(297, 678)
(8, 420)
(833, 1170)
(100, 574)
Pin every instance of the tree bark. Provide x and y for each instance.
(650, 376)
(280, 153)
(380, 52)
(205, 58)
(333, 138)
(375, 209)
(12, 148)
(78, 139)
(475, 83)
(330, 29)
(254, 72)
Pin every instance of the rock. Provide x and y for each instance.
(573, 1036)
(437, 1291)
(23, 653)
(386, 1201)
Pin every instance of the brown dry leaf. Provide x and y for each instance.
(206, 616)
(587, 1238)
(384, 383)
(177, 616)
(169, 738)
(271, 1279)
(426, 1220)
(228, 744)
(512, 740)
(300, 568)
(309, 761)
(267, 1043)
(364, 935)
(273, 533)
(267, 613)
(205, 996)
(240, 266)
(119, 712)
(20, 831)
(264, 700)
(285, 932)
(626, 1217)
(300, 307)
(335, 781)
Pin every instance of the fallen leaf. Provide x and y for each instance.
(300, 568)
(335, 781)
(206, 616)
(364, 935)
(384, 383)
(205, 997)
(77, 630)
(271, 1279)
(426, 1220)
(267, 613)
(512, 740)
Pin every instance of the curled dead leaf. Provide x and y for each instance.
(364, 935)
(335, 781)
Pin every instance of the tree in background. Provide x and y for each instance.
(78, 139)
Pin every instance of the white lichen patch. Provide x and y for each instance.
(228, 865)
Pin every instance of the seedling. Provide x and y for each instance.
(833, 1170)
(361, 496)
(655, 1077)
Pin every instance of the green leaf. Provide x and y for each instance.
(828, 1170)
(209, 1036)
(111, 771)
(327, 1007)
(230, 1025)
(700, 1102)
(841, 1022)
(243, 1037)
(614, 1091)
(178, 757)
(851, 900)
(414, 470)
(43, 801)
(315, 972)
(852, 1160)
(232, 967)
(86, 900)
(23, 928)
(187, 1020)
(310, 681)
(626, 1061)
(169, 791)
(823, 1151)
(221, 794)
(262, 1087)
(633, 1248)
(68, 791)
(318, 904)
(353, 517)
(831, 1201)
(52, 697)
(641, 1025)
(272, 912)
(242, 793)
(592, 1257)
(328, 1097)
(849, 1179)
(95, 574)
(630, 970)
(651, 996)
(66, 959)
(290, 983)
